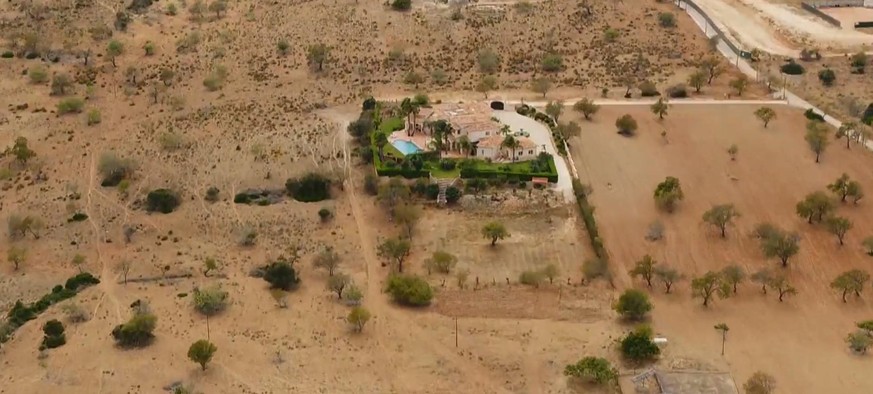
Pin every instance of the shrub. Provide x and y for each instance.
(210, 300)
(409, 290)
(531, 278)
(552, 62)
(281, 275)
(78, 217)
(324, 214)
(311, 188)
(626, 125)
(595, 268)
(70, 105)
(37, 74)
(667, 19)
(54, 335)
(638, 345)
(162, 200)
(827, 77)
(137, 331)
(592, 369)
(859, 62)
(453, 194)
(401, 5)
(7, 55)
(432, 191)
(668, 193)
(792, 68)
(94, 117)
(648, 89)
(812, 115)
(447, 164)
(114, 169)
(212, 194)
(80, 281)
(610, 35)
(633, 304)
(677, 91)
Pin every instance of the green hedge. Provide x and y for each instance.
(21, 313)
(587, 211)
(522, 176)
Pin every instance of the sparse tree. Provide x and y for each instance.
(708, 285)
(782, 245)
(16, 255)
(21, 151)
(60, 83)
(489, 61)
(740, 83)
(645, 268)
(847, 130)
(113, 50)
(713, 67)
(407, 216)
(815, 207)
(721, 216)
(781, 284)
(760, 383)
(486, 84)
(395, 250)
(551, 272)
(568, 130)
(440, 261)
(852, 281)
(732, 151)
(337, 283)
(762, 277)
(201, 352)
(660, 107)
(209, 264)
(697, 79)
(816, 137)
(668, 193)
(317, 55)
(586, 107)
(733, 275)
(78, 262)
(392, 193)
(495, 231)
(541, 85)
(668, 276)
(765, 114)
(461, 276)
(838, 226)
(358, 317)
(328, 259)
(124, 269)
(633, 304)
(218, 6)
(555, 109)
(844, 187)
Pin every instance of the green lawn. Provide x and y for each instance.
(390, 125)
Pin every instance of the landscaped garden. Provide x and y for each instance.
(382, 120)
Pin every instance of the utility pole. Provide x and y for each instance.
(724, 329)
(456, 332)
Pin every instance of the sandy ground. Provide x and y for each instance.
(624, 171)
(747, 27)
(540, 134)
(849, 16)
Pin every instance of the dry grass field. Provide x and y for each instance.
(773, 171)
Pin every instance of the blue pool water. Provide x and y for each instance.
(406, 147)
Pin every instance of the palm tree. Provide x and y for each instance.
(381, 141)
(510, 143)
(465, 144)
(405, 110)
(414, 112)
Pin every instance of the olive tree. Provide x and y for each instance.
(708, 285)
(317, 55)
(395, 250)
(720, 216)
(844, 187)
(668, 276)
(633, 304)
(780, 284)
(668, 193)
(852, 281)
(782, 245)
(358, 317)
(660, 107)
(586, 107)
(765, 114)
(816, 137)
(328, 259)
(814, 207)
(838, 226)
(441, 261)
(733, 275)
(645, 268)
(495, 231)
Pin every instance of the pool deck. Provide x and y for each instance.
(420, 140)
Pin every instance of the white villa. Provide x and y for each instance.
(473, 120)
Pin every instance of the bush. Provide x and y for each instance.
(531, 278)
(212, 194)
(552, 62)
(70, 105)
(210, 300)
(409, 290)
(633, 304)
(114, 169)
(638, 345)
(432, 191)
(668, 193)
(137, 331)
(677, 91)
(94, 117)
(371, 184)
(648, 89)
(667, 19)
(592, 369)
(401, 5)
(7, 55)
(37, 74)
(80, 281)
(626, 125)
(792, 68)
(369, 104)
(162, 200)
(54, 335)
(447, 164)
(78, 217)
(827, 77)
(812, 115)
(453, 194)
(324, 214)
(311, 188)
(281, 275)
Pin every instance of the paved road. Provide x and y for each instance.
(541, 135)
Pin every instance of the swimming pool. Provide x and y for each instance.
(406, 147)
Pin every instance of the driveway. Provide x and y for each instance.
(541, 135)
